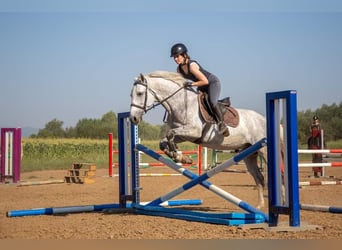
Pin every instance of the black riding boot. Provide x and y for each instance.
(223, 129)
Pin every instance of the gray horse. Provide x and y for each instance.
(186, 123)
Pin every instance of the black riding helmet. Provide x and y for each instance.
(315, 117)
(178, 49)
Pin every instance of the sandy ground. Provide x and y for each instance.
(99, 225)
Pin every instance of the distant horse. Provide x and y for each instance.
(187, 124)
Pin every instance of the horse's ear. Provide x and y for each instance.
(142, 77)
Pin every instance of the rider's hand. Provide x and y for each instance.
(188, 84)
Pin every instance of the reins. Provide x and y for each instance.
(145, 108)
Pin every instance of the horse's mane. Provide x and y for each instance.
(172, 76)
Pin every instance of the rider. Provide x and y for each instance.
(202, 79)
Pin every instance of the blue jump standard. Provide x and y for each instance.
(195, 179)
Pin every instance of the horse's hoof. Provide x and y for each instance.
(260, 206)
(186, 159)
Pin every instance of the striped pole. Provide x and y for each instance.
(233, 218)
(321, 208)
(199, 164)
(31, 183)
(202, 179)
(156, 164)
(91, 208)
(323, 164)
(318, 151)
(152, 174)
(318, 167)
(319, 183)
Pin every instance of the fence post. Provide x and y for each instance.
(10, 154)
(110, 153)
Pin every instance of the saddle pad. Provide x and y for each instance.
(231, 116)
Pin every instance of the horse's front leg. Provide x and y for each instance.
(169, 146)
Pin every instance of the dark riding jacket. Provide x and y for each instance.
(213, 88)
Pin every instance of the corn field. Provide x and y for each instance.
(62, 148)
(45, 154)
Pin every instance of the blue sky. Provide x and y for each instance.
(71, 60)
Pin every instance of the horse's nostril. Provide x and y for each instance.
(134, 119)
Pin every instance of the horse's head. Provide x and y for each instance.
(141, 99)
(158, 87)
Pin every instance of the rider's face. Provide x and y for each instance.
(179, 59)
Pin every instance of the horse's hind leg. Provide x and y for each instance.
(252, 166)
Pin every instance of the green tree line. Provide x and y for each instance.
(97, 129)
(330, 118)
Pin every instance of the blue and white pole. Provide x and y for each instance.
(202, 180)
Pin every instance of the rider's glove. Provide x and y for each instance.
(188, 84)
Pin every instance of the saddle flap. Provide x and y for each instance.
(231, 116)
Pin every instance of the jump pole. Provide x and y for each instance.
(319, 183)
(202, 179)
(198, 152)
(89, 208)
(287, 100)
(320, 151)
(323, 164)
(321, 208)
(320, 167)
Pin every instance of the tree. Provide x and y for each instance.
(97, 128)
(53, 129)
(109, 124)
(88, 128)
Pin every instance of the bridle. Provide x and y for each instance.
(159, 102)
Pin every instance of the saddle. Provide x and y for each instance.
(231, 116)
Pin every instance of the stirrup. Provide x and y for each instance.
(223, 130)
